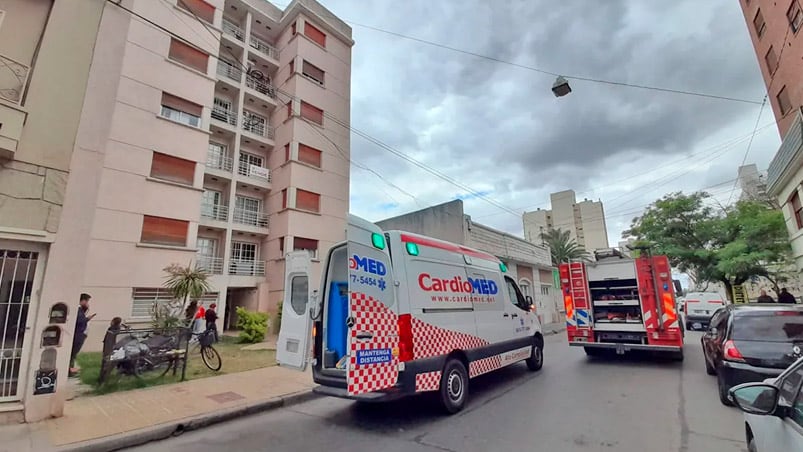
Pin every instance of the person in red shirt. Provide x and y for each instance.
(199, 318)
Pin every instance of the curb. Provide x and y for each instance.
(177, 427)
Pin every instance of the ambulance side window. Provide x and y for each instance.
(515, 295)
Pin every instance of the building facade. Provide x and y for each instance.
(528, 263)
(585, 220)
(774, 28)
(125, 148)
(752, 183)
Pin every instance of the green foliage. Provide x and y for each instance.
(166, 315)
(724, 245)
(186, 283)
(562, 247)
(279, 314)
(252, 325)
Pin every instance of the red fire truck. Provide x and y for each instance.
(621, 303)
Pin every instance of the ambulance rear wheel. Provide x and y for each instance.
(536, 360)
(454, 386)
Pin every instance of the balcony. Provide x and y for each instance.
(257, 125)
(212, 211)
(13, 79)
(263, 47)
(223, 115)
(229, 71)
(253, 171)
(210, 264)
(243, 267)
(260, 86)
(251, 218)
(788, 158)
(233, 30)
(219, 162)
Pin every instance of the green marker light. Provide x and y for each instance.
(378, 240)
(412, 248)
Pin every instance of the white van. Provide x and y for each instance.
(699, 307)
(401, 313)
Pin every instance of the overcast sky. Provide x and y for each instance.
(500, 130)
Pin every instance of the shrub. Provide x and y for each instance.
(252, 325)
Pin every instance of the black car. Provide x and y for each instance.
(751, 342)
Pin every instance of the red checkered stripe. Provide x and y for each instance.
(483, 366)
(371, 315)
(428, 381)
(430, 340)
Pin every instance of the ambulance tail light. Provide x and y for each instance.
(405, 338)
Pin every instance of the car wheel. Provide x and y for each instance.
(723, 388)
(751, 445)
(678, 356)
(709, 369)
(454, 386)
(536, 360)
(689, 326)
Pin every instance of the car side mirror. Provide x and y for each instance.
(529, 300)
(755, 398)
(712, 331)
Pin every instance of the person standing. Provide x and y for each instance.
(79, 336)
(200, 315)
(211, 319)
(786, 297)
(764, 298)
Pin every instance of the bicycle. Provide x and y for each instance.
(142, 354)
(209, 355)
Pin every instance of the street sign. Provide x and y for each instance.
(739, 294)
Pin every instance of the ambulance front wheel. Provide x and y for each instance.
(536, 360)
(454, 386)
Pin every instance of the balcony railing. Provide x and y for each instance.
(214, 211)
(228, 70)
(13, 78)
(251, 217)
(227, 116)
(263, 47)
(218, 161)
(257, 172)
(246, 267)
(210, 264)
(791, 146)
(257, 125)
(260, 86)
(230, 28)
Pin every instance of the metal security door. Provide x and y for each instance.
(17, 270)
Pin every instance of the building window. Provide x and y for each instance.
(315, 34)
(244, 251)
(284, 198)
(164, 231)
(307, 200)
(188, 55)
(771, 59)
(783, 101)
(309, 245)
(293, 30)
(544, 290)
(759, 24)
(797, 209)
(309, 155)
(292, 67)
(312, 113)
(287, 152)
(143, 299)
(313, 72)
(247, 161)
(795, 16)
(199, 8)
(180, 110)
(171, 168)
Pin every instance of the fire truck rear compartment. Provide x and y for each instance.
(621, 337)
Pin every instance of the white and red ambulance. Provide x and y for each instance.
(401, 313)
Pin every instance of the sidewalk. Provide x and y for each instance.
(133, 417)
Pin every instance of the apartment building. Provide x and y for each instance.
(752, 183)
(528, 263)
(774, 28)
(125, 148)
(585, 220)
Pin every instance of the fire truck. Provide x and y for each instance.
(618, 303)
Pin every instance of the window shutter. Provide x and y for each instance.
(300, 243)
(164, 231)
(171, 168)
(309, 155)
(307, 200)
(312, 113)
(177, 103)
(312, 72)
(201, 9)
(187, 55)
(315, 34)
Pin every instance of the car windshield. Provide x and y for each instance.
(779, 326)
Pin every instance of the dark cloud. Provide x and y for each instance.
(498, 128)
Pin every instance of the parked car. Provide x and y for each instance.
(751, 342)
(773, 411)
(698, 307)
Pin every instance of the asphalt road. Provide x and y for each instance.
(574, 403)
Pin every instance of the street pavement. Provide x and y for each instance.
(628, 404)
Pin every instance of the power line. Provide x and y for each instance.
(749, 145)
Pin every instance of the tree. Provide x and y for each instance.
(562, 247)
(748, 239)
(186, 283)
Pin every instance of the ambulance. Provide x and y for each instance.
(399, 313)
